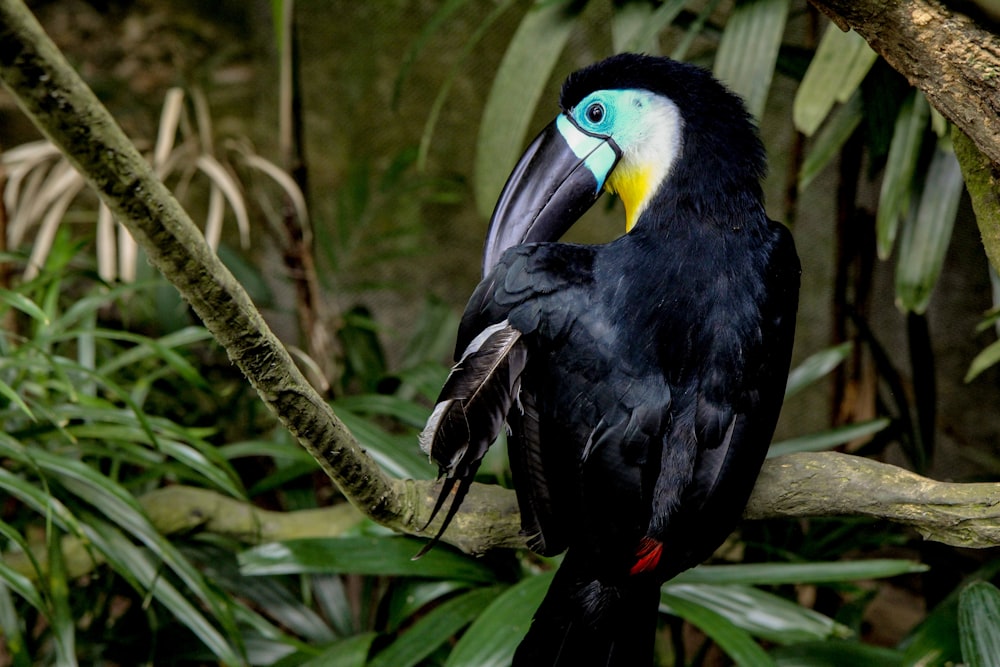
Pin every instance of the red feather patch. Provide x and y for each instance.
(647, 556)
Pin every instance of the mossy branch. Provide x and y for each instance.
(65, 109)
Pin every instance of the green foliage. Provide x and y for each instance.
(84, 401)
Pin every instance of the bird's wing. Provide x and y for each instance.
(485, 382)
(727, 428)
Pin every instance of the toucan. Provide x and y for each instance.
(640, 379)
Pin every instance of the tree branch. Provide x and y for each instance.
(947, 55)
(62, 106)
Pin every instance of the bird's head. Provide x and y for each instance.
(658, 133)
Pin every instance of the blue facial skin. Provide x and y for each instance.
(596, 152)
(603, 126)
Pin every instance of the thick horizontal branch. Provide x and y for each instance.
(946, 54)
(793, 486)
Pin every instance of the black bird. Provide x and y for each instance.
(641, 379)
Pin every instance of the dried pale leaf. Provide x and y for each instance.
(284, 180)
(47, 230)
(107, 260)
(173, 104)
(231, 189)
(214, 217)
(128, 254)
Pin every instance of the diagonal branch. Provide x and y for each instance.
(65, 109)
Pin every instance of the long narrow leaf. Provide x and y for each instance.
(986, 358)
(760, 613)
(736, 642)
(121, 508)
(127, 559)
(816, 366)
(837, 653)
(24, 304)
(388, 556)
(350, 652)
(60, 616)
(518, 85)
(842, 60)
(901, 164)
(818, 442)
(12, 631)
(643, 39)
(492, 638)
(773, 574)
(748, 50)
(830, 139)
(979, 624)
(925, 238)
(435, 628)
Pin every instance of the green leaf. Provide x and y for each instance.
(758, 612)
(388, 556)
(60, 614)
(350, 652)
(987, 358)
(748, 50)
(841, 62)
(16, 581)
(24, 304)
(828, 142)
(979, 624)
(12, 631)
(121, 508)
(694, 30)
(430, 27)
(398, 455)
(773, 574)
(926, 236)
(818, 442)
(409, 595)
(838, 654)
(646, 25)
(136, 566)
(407, 412)
(11, 395)
(458, 68)
(433, 629)
(935, 642)
(816, 366)
(492, 638)
(901, 164)
(520, 80)
(736, 642)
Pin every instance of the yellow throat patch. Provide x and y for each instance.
(632, 185)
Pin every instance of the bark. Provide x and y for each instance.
(953, 59)
(62, 106)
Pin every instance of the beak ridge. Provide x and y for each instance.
(556, 181)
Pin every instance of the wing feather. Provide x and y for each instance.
(471, 410)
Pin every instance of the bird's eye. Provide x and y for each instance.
(595, 113)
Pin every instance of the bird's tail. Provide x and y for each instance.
(584, 623)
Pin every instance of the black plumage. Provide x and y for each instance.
(647, 378)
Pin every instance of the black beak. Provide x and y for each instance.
(558, 178)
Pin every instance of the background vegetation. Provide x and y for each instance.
(153, 512)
